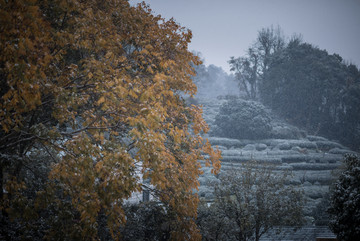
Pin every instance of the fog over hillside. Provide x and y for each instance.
(287, 104)
(314, 161)
(213, 81)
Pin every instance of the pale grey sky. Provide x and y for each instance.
(225, 28)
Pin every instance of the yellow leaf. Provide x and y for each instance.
(101, 100)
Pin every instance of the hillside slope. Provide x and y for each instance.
(312, 159)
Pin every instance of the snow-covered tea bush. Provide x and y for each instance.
(243, 119)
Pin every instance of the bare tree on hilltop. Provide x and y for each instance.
(250, 68)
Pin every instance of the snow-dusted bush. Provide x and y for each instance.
(285, 146)
(303, 144)
(243, 119)
(218, 141)
(328, 145)
(286, 132)
(313, 166)
(260, 147)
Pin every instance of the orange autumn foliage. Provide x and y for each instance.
(96, 87)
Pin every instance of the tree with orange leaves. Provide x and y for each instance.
(91, 97)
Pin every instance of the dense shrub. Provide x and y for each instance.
(243, 120)
(345, 201)
(146, 221)
(315, 91)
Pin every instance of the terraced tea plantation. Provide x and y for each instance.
(313, 160)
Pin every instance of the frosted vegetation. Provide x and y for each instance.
(312, 159)
(242, 119)
(235, 126)
(297, 110)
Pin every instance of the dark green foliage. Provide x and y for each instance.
(146, 221)
(298, 81)
(314, 90)
(348, 128)
(213, 224)
(345, 201)
(243, 120)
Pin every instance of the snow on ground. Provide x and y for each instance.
(312, 159)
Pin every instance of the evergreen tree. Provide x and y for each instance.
(345, 201)
(314, 90)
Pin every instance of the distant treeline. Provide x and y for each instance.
(304, 84)
(212, 81)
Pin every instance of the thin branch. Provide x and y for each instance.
(18, 142)
(48, 151)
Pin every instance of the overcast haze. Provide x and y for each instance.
(224, 28)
